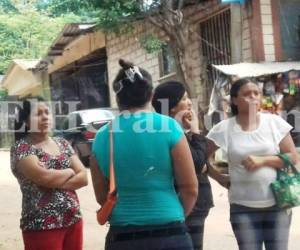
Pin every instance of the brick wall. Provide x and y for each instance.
(127, 46)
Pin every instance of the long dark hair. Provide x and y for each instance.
(234, 91)
(134, 92)
(22, 115)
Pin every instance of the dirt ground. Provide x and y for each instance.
(218, 233)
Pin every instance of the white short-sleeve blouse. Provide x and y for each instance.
(250, 188)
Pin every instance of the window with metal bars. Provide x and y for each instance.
(167, 61)
(215, 39)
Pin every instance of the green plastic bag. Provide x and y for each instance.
(286, 188)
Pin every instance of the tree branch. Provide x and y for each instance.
(155, 22)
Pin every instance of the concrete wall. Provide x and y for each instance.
(246, 36)
(265, 31)
(268, 31)
(22, 82)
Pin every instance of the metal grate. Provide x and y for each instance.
(215, 34)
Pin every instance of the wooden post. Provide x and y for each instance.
(46, 91)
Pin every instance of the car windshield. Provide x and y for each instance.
(94, 115)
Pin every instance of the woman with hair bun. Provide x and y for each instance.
(150, 152)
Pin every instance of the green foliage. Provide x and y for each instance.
(3, 94)
(7, 6)
(151, 43)
(56, 8)
(116, 15)
(28, 27)
(28, 34)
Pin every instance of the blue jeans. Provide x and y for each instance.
(172, 236)
(254, 227)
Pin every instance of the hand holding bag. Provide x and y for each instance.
(105, 211)
(286, 188)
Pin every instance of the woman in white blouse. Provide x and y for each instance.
(251, 141)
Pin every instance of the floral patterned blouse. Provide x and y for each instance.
(45, 208)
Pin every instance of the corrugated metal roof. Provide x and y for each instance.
(257, 69)
(69, 33)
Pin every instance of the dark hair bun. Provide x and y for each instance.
(125, 64)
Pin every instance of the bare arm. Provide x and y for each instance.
(100, 183)
(211, 148)
(31, 168)
(185, 175)
(286, 145)
(80, 178)
(222, 179)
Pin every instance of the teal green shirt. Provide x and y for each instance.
(143, 168)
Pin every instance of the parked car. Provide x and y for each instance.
(80, 127)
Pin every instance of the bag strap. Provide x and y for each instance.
(287, 163)
(112, 181)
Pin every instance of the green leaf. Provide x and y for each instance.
(28, 34)
(151, 43)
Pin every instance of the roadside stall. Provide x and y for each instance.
(280, 86)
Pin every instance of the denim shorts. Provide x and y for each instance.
(255, 227)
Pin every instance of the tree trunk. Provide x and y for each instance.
(178, 30)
